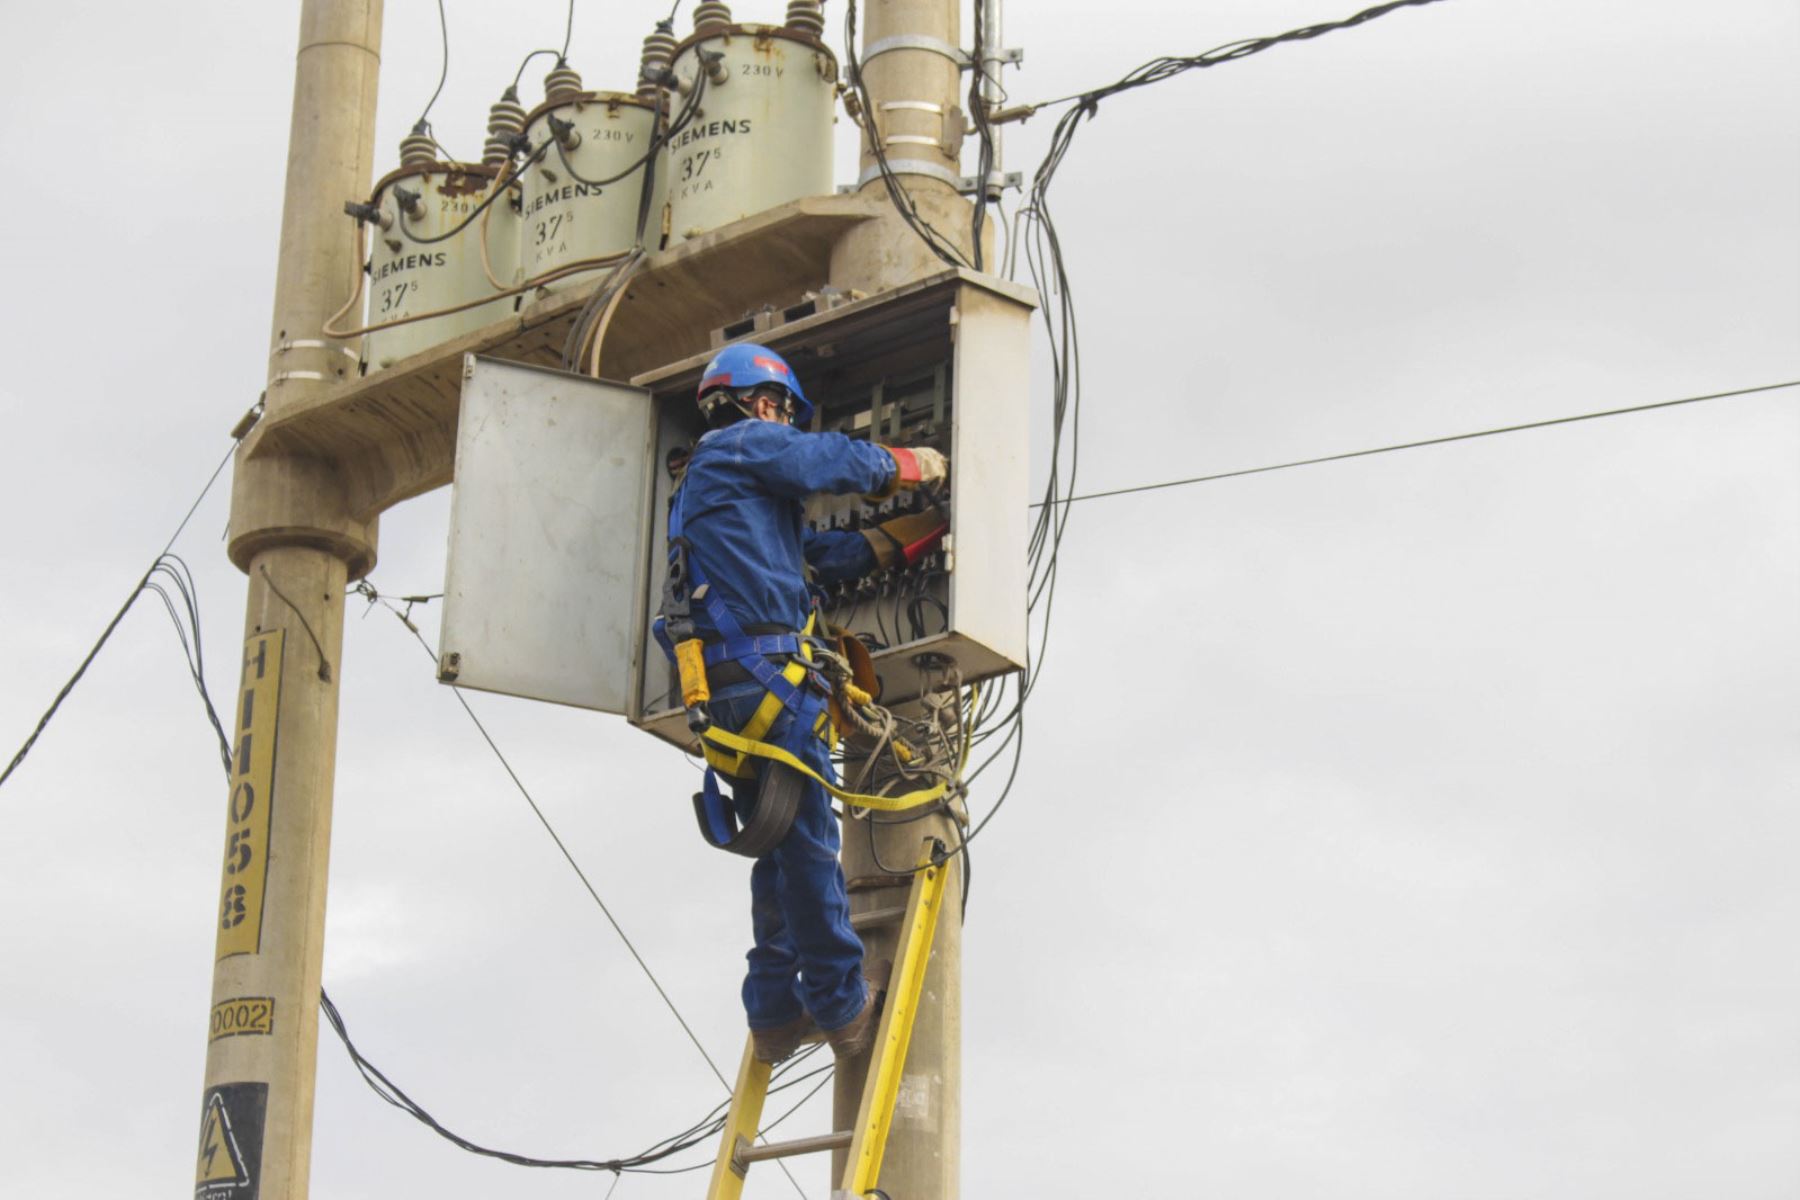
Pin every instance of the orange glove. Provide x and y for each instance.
(920, 466)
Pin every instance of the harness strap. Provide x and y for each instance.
(763, 645)
(718, 740)
(785, 690)
(777, 804)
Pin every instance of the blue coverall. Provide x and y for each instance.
(742, 511)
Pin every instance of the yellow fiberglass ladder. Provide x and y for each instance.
(867, 1139)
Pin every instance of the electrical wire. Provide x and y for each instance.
(705, 1130)
(367, 589)
(1436, 441)
(137, 590)
(186, 619)
(493, 195)
(1000, 728)
(902, 200)
(984, 132)
(1159, 69)
(526, 61)
(568, 33)
(424, 122)
(560, 845)
(587, 330)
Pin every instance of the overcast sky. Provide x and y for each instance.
(1414, 827)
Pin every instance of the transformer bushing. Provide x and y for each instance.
(564, 81)
(806, 16)
(659, 53)
(418, 148)
(506, 121)
(711, 13)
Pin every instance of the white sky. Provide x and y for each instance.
(1414, 827)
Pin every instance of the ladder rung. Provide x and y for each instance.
(746, 1153)
(877, 916)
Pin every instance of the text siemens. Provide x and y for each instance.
(694, 133)
(412, 262)
(568, 191)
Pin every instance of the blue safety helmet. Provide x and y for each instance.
(747, 365)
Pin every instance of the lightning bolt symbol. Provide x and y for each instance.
(212, 1147)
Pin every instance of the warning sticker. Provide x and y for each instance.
(229, 1165)
(243, 1015)
(252, 796)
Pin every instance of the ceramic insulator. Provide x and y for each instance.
(711, 12)
(506, 120)
(565, 80)
(417, 149)
(659, 52)
(806, 16)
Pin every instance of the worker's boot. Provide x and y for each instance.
(773, 1045)
(851, 1039)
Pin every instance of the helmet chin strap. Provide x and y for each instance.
(746, 404)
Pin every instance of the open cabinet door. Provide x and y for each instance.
(545, 587)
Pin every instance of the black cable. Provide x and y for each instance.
(526, 61)
(475, 215)
(984, 132)
(136, 591)
(1159, 69)
(568, 33)
(424, 124)
(391, 1092)
(897, 194)
(1437, 441)
(597, 302)
(182, 579)
(1045, 259)
(375, 597)
(657, 142)
(570, 858)
(700, 1132)
(324, 663)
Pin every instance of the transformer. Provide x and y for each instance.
(580, 198)
(762, 133)
(425, 258)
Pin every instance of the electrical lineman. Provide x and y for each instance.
(739, 621)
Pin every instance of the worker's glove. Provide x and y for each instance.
(905, 540)
(920, 466)
(934, 467)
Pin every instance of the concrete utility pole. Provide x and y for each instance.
(333, 450)
(916, 88)
(293, 532)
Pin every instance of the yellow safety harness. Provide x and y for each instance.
(730, 753)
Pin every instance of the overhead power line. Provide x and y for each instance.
(368, 590)
(1436, 441)
(137, 590)
(1167, 67)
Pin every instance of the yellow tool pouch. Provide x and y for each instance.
(690, 663)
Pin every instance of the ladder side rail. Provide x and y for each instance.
(881, 1087)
